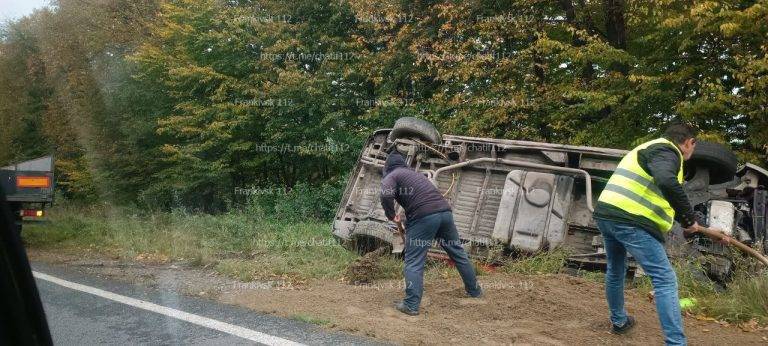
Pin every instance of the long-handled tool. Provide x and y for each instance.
(719, 235)
(399, 246)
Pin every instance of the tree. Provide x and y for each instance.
(175, 103)
(256, 92)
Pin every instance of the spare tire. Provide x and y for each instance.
(410, 127)
(721, 161)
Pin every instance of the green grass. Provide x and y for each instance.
(746, 299)
(390, 267)
(593, 276)
(541, 263)
(310, 319)
(236, 244)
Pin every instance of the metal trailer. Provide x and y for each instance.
(29, 187)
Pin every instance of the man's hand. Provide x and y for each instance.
(692, 229)
(397, 218)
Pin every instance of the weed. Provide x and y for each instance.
(390, 267)
(598, 277)
(541, 263)
(746, 299)
(310, 319)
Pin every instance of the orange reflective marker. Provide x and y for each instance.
(35, 182)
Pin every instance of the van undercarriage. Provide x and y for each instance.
(513, 197)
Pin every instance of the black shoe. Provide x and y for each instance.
(478, 296)
(400, 306)
(625, 328)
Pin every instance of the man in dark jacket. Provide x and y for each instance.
(635, 212)
(428, 216)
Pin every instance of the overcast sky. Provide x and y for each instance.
(13, 9)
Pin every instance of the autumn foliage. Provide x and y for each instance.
(180, 103)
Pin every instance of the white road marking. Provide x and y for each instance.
(224, 327)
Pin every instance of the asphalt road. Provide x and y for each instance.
(86, 310)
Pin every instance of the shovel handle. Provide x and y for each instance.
(719, 235)
(401, 230)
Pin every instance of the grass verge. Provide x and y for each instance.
(236, 244)
(310, 319)
(247, 247)
(745, 300)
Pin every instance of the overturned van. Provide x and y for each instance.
(526, 197)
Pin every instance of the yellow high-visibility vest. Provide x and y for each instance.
(634, 191)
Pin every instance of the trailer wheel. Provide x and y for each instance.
(717, 158)
(409, 127)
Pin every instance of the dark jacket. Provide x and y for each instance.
(662, 162)
(412, 190)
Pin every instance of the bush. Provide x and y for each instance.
(301, 202)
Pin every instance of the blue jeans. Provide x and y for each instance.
(419, 236)
(620, 238)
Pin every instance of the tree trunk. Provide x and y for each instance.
(616, 29)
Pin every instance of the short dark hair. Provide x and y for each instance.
(680, 132)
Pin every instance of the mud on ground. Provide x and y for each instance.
(516, 309)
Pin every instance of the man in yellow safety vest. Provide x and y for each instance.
(635, 212)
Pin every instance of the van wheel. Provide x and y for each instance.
(410, 127)
(364, 244)
(717, 158)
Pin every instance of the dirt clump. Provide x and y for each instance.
(365, 269)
